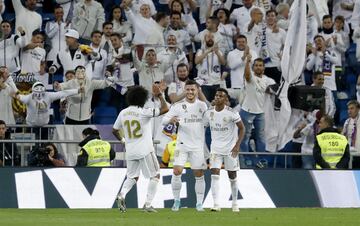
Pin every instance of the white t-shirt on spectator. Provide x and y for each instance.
(31, 60)
(209, 71)
(254, 37)
(44, 78)
(136, 5)
(237, 67)
(275, 43)
(177, 88)
(29, 20)
(242, 17)
(255, 93)
(338, 11)
(228, 32)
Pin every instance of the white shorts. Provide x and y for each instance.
(196, 159)
(148, 165)
(231, 164)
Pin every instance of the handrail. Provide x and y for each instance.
(58, 141)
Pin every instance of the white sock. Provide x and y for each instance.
(234, 190)
(176, 186)
(152, 187)
(128, 184)
(199, 189)
(215, 182)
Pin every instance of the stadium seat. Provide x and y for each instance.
(104, 115)
(343, 116)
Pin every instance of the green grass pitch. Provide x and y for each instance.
(185, 217)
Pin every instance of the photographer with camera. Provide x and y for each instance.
(46, 155)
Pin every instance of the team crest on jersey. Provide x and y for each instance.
(200, 111)
(184, 107)
(226, 119)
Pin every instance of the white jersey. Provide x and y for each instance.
(224, 131)
(191, 132)
(136, 125)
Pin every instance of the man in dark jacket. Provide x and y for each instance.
(8, 151)
(331, 149)
(94, 151)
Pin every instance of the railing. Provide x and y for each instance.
(33, 142)
(116, 142)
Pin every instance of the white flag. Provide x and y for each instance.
(278, 126)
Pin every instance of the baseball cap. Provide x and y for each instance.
(72, 33)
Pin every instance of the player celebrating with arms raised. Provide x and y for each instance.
(135, 122)
(227, 132)
(188, 113)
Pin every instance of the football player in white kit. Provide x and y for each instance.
(227, 132)
(188, 113)
(135, 124)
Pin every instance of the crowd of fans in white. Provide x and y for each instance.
(207, 40)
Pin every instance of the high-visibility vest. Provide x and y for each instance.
(171, 147)
(332, 146)
(98, 152)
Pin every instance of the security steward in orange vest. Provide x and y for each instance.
(331, 149)
(94, 151)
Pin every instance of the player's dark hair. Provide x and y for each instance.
(2, 122)
(224, 91)
(137, 96)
